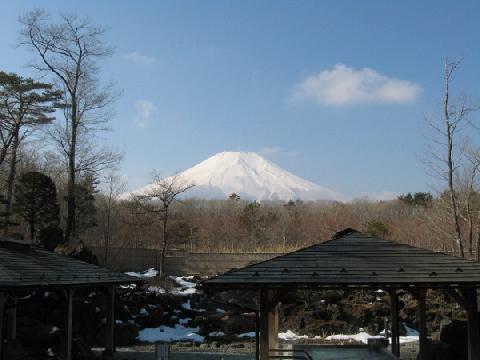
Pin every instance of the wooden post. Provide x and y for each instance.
(273, 324)
(257, 337)
(68, 324)
(263, 341)
(3, 299)
(269, 322)
(110, 324)
(394, 322)
(472, 324)
(12, 319)
(422, 325)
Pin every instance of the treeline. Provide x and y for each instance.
(236, 225)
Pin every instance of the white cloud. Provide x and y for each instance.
(140, 58)
(144, 112)
(344, 85)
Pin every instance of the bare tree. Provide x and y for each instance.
(108, 206)
(69, 51)
(447, 158)
(472, 199)
(468, 194)
(164, 192)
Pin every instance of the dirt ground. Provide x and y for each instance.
(409, 351)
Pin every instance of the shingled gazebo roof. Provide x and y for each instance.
(23, 266)
(354, 259)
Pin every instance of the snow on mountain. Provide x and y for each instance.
(248, 175)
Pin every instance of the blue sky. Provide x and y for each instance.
(334, 91)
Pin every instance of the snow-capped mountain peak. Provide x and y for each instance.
(249, 175)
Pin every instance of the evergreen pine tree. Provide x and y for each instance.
(36, 201)
(85, 211)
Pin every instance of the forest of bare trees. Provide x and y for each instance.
(49, 127)
(236, 225)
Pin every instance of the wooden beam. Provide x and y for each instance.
(394, 322)
(110, 324)
(68, 325)
(472, 323)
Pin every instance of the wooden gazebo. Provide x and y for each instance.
(355, 260)
(24, 267)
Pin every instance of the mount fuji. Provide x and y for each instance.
(250, 176)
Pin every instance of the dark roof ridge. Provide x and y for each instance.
(346, 231)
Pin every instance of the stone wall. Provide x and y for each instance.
(125, 259)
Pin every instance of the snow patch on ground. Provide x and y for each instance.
(362, 336)
(290, 335)
(250, 334)
(184, 321)
(186, 287)
(156, 290)
(146, 274)
(216, 334)
(409, 331)
(166, 333)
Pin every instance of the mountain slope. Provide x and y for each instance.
(250, 176)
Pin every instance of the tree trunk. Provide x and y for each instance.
(32, 231)
(11, 177)
(470, 231)
(450, 171)
(107, 230)
(4, 151)
(477, 240)
(70, 234)
(164, 245)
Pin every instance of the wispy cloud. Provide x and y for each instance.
(144, 113)
(140, 58)
(275, 151)
(344, 85)
(270, 150)
(380, 195)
